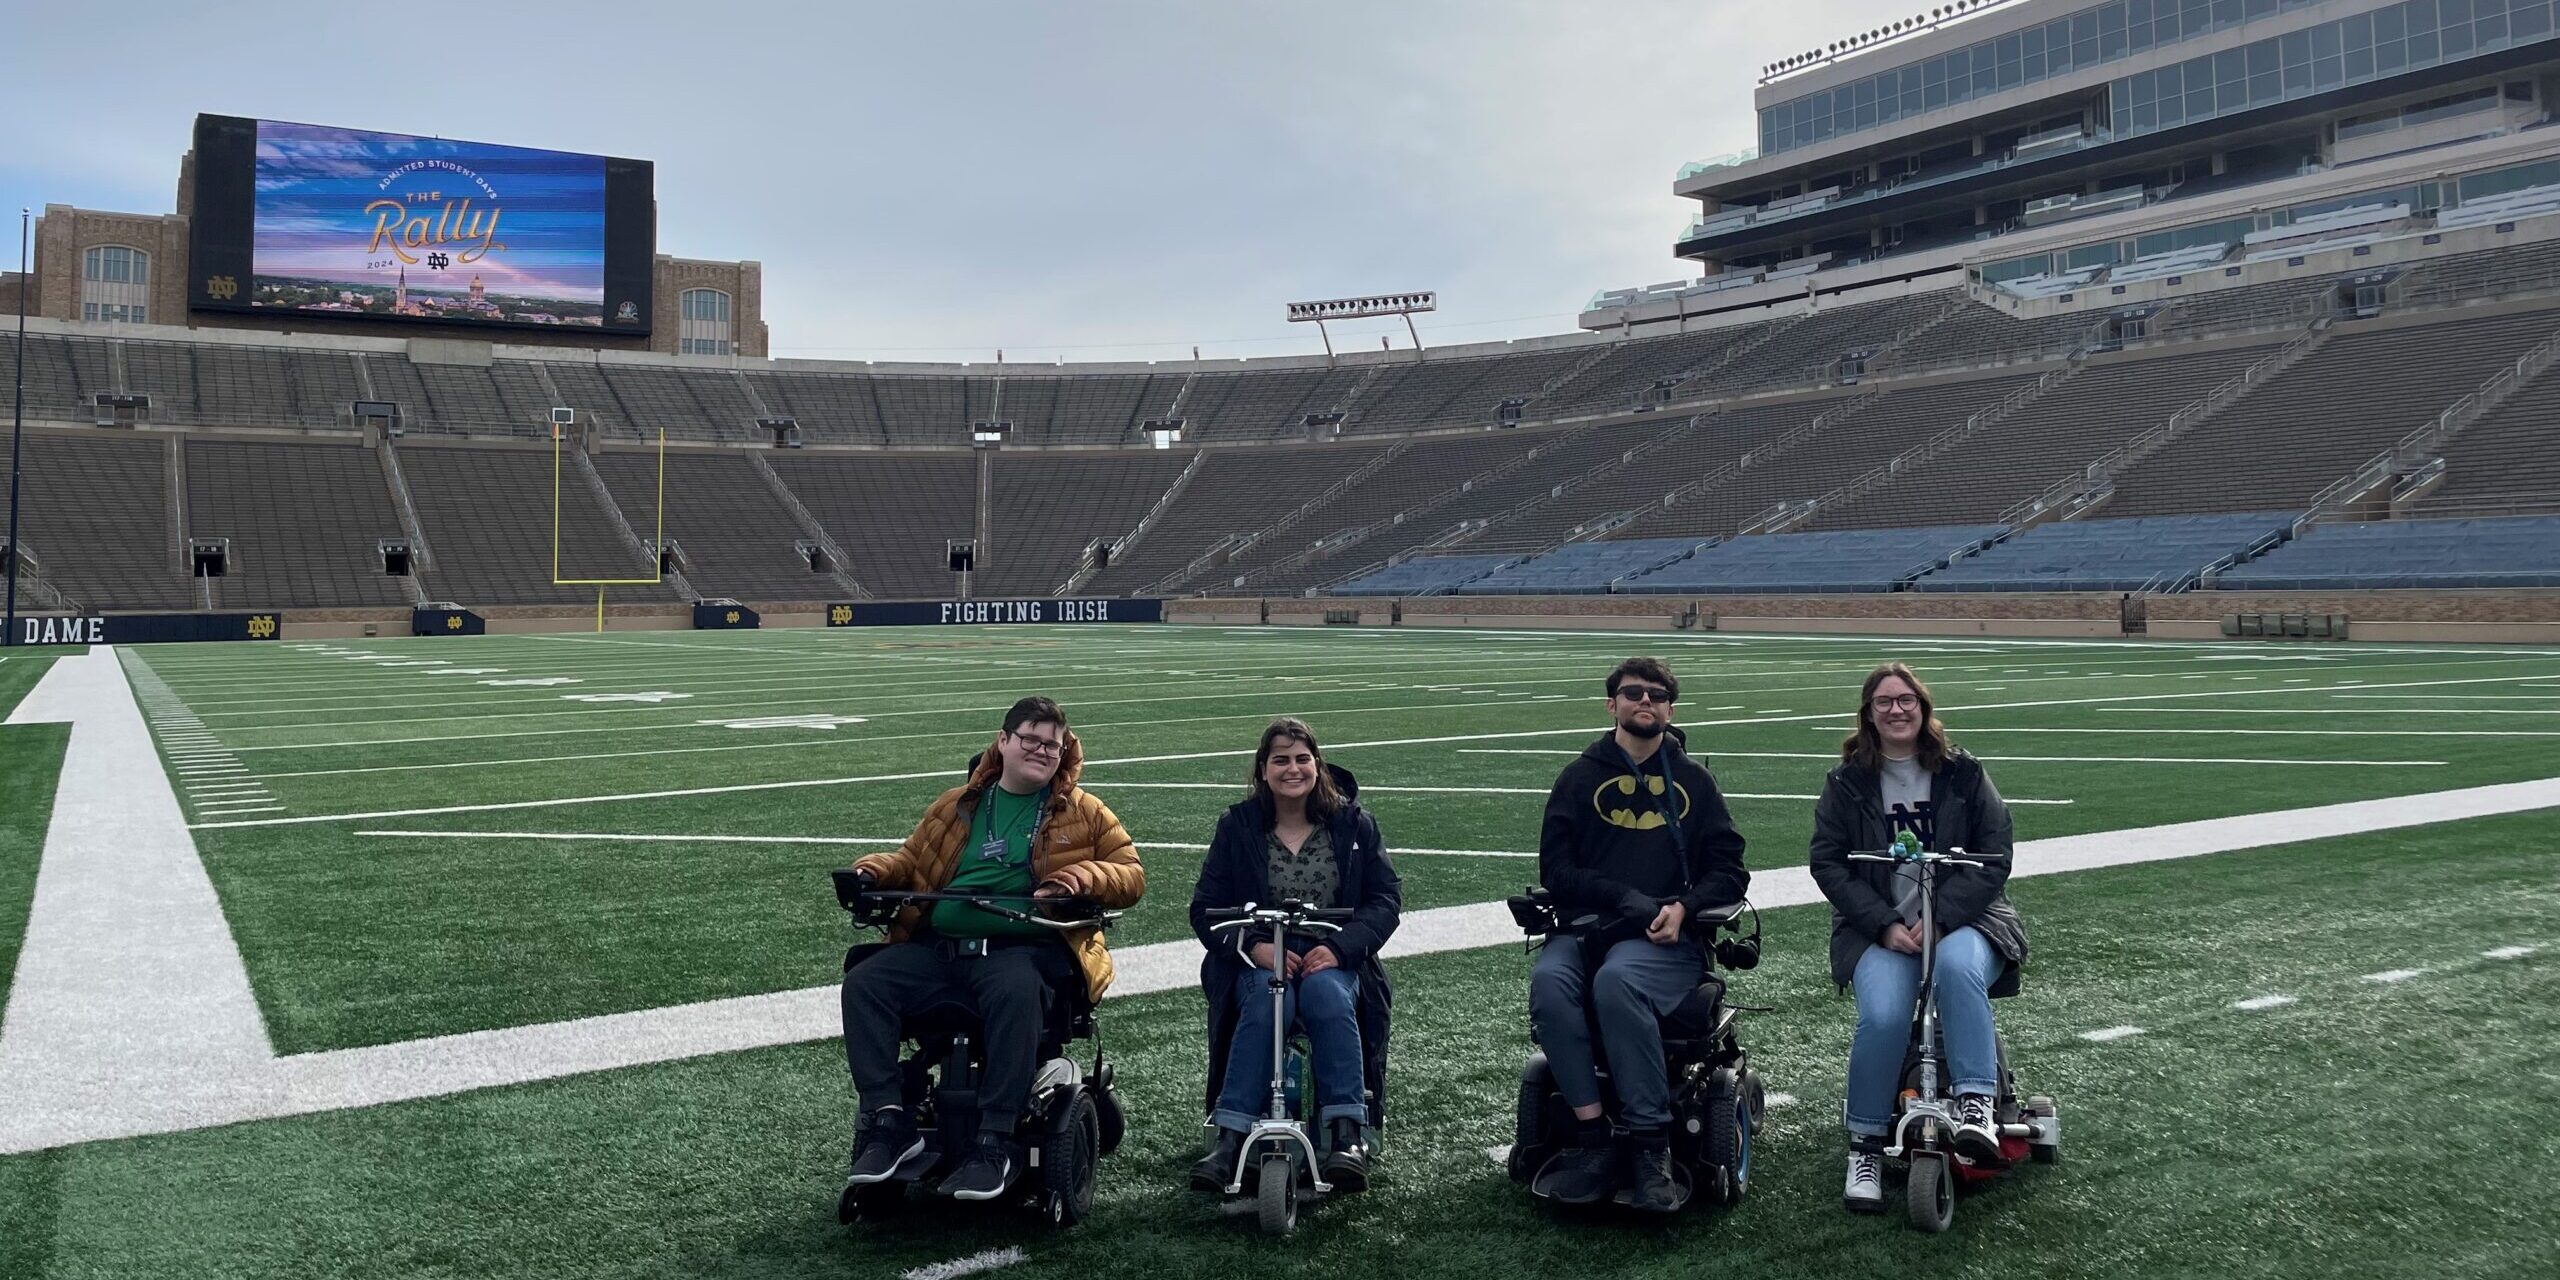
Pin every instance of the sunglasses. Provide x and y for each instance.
(1645, 693)
(1032, 746)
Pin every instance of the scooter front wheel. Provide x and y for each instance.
(1931, 1193)
(1279, 1196)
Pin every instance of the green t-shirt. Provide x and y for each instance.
(1014, 819)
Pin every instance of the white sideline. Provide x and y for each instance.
(79, 1068)
(131, 1006)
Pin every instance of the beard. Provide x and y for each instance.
(1642, 729)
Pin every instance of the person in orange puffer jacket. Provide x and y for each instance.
(1018, 827)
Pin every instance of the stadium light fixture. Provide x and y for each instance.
(1378, 304)
(988, 433)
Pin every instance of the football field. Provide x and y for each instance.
(514, 955)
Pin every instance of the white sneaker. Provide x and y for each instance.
(1865, 1190)
(1977, 1131)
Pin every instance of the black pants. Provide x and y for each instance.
(1010, 989)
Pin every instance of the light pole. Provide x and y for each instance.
(17, 430)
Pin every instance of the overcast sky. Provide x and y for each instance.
(1109, 179)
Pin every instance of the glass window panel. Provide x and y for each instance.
(2146, 118)
(1984, 76)
(2110, 45)
(2327, 73)
(2084, 26)
(2199, 101)
(2390, 56)
(2390, 23)
(2034, 65)
(2491, 27)
(2261, 57)
(2527, 21)
(2256, 9)
(2297, 80)
(2084, 53)
(2031, 41)
(2295, 48)
(2457, 40)
(2423, 48)
(2173, 109)
(2143, 86)
(2225, 12)
(2230, 66)
(2419, 14)
(2264, 88)
(2457, 13)
(1959, 65)
(2324, 40)
(2137, 22)
(1934, 97)
(2359, 65)
(2357, 32)
(2008, 48)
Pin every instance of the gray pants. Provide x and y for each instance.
(1636, 984)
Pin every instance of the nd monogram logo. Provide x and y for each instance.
(439, 261)
(453, 622)
(221, 288)
(262, 627)
(840, 616)
(731, 617)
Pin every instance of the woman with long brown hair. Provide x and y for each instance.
(1899, 773)
(1300, 834)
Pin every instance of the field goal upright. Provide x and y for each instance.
(564, 422)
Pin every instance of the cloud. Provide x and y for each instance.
(1108, 179)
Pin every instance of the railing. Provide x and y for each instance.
(1237, 545)
(2412, 449)
(2106, 465)
(1949, 438)
(1164, 502)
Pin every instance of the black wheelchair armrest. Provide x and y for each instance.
(1717, 917)
(1534, 912)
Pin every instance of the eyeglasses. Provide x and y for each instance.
(1032, 746)
(1896, 702)
(1645, 693)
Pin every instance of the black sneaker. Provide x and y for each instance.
(1654, 1189)
(888, 1149)
(1585, 1172)
(1978, 1131)
(1215, 1168)
(1346, 1166)
(987, 1172)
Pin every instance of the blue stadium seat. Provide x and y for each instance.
(2147, 553)
(2517, 551)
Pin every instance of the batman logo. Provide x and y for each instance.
(1611, 802)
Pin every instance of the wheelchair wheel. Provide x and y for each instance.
(1278, 1193)
(1757, 1091)
(1067, 1163)
(1931, 1193)
(878, 1200)
(1528, 1132)
(1728, 1139)
(1114, 1117)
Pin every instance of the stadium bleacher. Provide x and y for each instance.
(2142, 554)
(1585, 567)
(486, 512)
(94, 512)
(2520, 551)
(305, 520)
(1424, 576)
(1859, 560)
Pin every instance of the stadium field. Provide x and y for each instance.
(534, 947)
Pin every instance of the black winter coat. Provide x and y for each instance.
(1238, 870)
(1970, 815)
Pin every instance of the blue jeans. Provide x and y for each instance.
(1637, 983)
(1887, 985)
(1327, 1006)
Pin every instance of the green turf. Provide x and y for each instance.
(2368, 1129)
(354, 939)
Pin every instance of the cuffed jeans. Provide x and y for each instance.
(1887, 984)
(1326, 1005)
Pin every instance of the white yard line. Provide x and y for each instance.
(2105, 1034)
(968, 1266)
(2394, 975)
(131, 1005)
(2508, 953)
(1835, 756)
(2255, 1003)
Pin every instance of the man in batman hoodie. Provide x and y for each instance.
(1636, 835)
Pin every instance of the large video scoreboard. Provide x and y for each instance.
(314, 220)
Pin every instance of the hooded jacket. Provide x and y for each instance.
(1618, 836)
(1238, 870)
(1969, 815)
(1079, 845)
